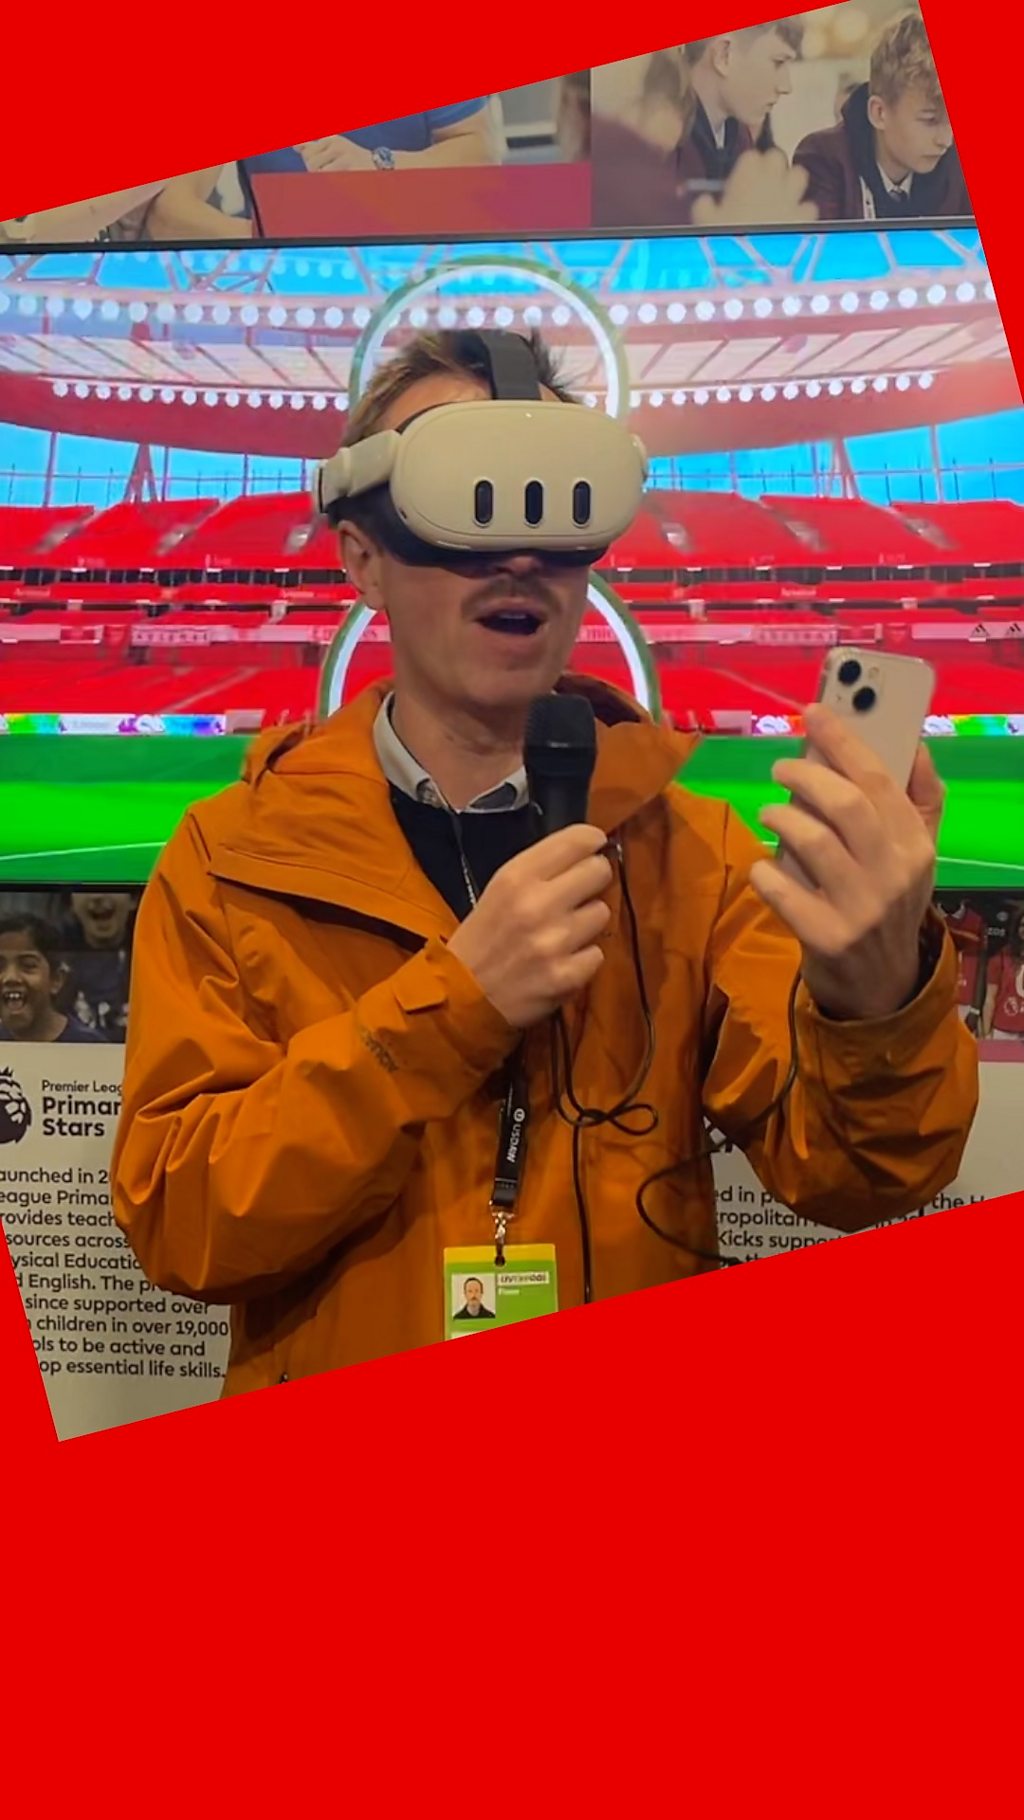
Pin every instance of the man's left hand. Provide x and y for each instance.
(869, 848)
(335, 154)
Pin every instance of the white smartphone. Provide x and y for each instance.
(886, 700)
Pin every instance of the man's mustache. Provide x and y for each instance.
(504, 590)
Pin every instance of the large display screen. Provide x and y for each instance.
(835, 434)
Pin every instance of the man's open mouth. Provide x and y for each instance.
(515, 622)
(13, 999)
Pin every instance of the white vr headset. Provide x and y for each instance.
(512, 472)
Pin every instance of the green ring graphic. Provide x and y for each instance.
(590, 311)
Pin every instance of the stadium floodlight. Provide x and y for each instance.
(704, 310)
(791, 390)
(82, 308)
(646, 313)
(733, 308)
(763, 306)
(476, 317)
(676, 312)
(221, 314)
(724, 394)
(333, 317)
(193, 312)
(701, 395)
(277, 316)
(231, 399)
(657, 399)
(937, 293)
(907, 297)
(249, 315)
(850, 302)
(679, 398)
(820, 304)
(966, 292)
(791, 306)
(81, 391)
(879, 300)
(305, 317)
(768, 393)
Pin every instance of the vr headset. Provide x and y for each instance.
(514, 472)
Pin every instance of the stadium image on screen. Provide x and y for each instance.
(835, 433)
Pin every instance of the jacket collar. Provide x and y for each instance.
(315, 821)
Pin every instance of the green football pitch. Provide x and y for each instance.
(97, 810)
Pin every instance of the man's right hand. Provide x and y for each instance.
(532, 941)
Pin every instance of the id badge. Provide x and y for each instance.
(478, 1297)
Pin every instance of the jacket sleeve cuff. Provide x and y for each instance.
(864, 1050)
(432, 1033)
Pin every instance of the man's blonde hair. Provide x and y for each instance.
(902, 60)
(448, 351)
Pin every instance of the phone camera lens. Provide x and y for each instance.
(865, 699)
(849, 672)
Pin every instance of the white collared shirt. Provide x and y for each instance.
(900, 190)
(406, 773)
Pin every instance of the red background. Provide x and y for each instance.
(746, 1544)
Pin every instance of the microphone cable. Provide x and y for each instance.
(623, 1114)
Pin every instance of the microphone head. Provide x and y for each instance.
(561, 738)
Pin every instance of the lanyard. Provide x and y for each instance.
(515, 1113)
(511, 1158)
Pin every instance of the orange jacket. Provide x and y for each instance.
(310, 1106)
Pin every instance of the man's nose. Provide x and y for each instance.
(517, 562)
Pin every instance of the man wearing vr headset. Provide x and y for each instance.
(338, 959)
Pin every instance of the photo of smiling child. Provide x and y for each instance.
(33, 977)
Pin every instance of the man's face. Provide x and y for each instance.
(28, 985)
(103, 916)
(448, 650)
(474, 1294)
(754, 74)
(914, 131)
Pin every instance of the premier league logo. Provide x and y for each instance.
(15, 1111)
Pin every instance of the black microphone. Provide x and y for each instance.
(560, 751)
